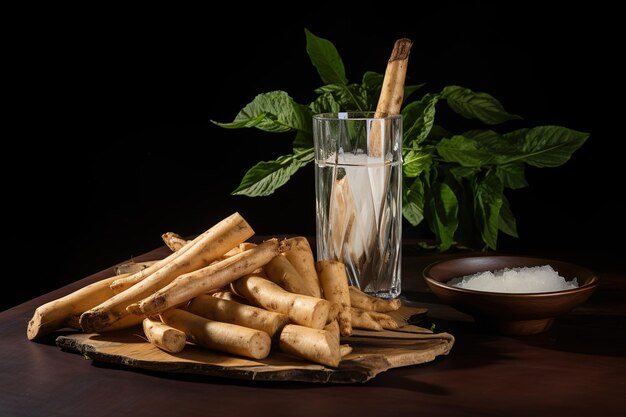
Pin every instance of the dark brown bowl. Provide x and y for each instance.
(509, 313)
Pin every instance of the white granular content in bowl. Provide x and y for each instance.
(516, 280)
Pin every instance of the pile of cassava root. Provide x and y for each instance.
(224, 293)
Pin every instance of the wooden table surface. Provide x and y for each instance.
(578, 368)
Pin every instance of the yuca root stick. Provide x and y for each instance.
(246, 245)
(122, 284)
(345, 350)
(242, 247)
(243, 315)
(372, 320)
(315, 345)
(298, 251)
(132, 267)
(220, 336)
(123, 323)
(365, 301)
(362, 320)
(392, 92)
(334, 280)
(231, 296)
(385, 320)
(215, 242)
(164, 336)
(173, 241)
(301, 309)
(210, 278)
(342, 216)
(280, 271)
(333, 328)
(201, 251)
(66, 310)
(333, 312)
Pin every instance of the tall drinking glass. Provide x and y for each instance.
(358, 184)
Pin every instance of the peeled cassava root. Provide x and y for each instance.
(392, 92)
(173, 241)
(334, 280)
(132, 267)
(206, 248)
(201, 251)
(65, 311)
(280, 271)
(372, 320)
(302, 309)
(224, 337)
(365, 301)
(243, 315)
(227, 294)
(204, 280)
(163, 336)
(316, 345)
(298, 252)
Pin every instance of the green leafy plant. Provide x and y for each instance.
(454, 181)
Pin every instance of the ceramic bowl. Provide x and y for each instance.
(509, 313)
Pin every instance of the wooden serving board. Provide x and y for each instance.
(373, 353)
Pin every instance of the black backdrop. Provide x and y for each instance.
(115, 145)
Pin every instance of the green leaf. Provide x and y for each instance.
(326, 59)
(349, 97)
(303, 141)
(437, 133)
(549, 146)
(273, 112)
(467, 232)
(476, 105)
(516, 137)
(252, 122)
(464, 151)
(413, 202)
(416, 161)
(305, 155)
(484, 136)
(460, 172)
(502, 148)
(441, 212)
(410, 114)
(265, 177)
(372, 83)
(418, 119)
(325, 103)
(487, 204)
(512, 175)
(506, 222)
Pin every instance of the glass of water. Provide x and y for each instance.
(358, 184)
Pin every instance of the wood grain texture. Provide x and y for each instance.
(373, 353)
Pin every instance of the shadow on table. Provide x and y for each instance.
(585, 334)
(597, 327)
(389, 379)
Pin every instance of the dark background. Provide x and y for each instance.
(114, 143)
